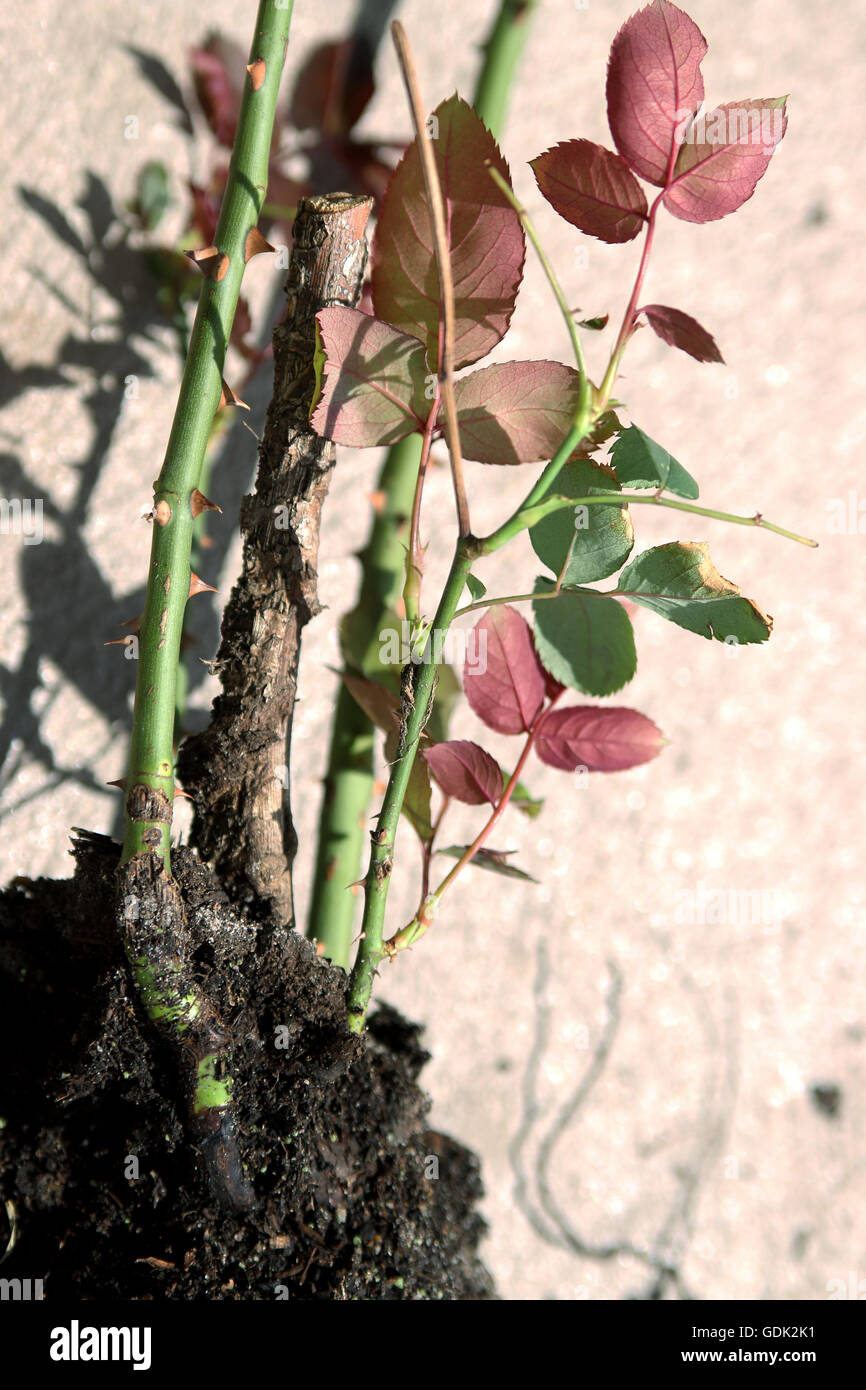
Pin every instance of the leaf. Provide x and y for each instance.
(680, 581)
(493, 859)
(599, 738)
(506, 687)
(723, 156)
(592, 188)
(596, 324)
(605, 426)
(476, 588)
(682, 331)
(334, 86)
(522, 799)
(641, 463)
(585, 640)
(218, 95)
(516, 412)
(465, 771)
(381, 706)
(374, 377)
(416, 803)
(654, 83)
(485, 236)
(152, 196)
(602, 537)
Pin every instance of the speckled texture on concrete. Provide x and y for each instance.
(700, 919)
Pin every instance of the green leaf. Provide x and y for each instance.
(584, 640)
(641, 463)
(492, 859)
(596, 324)
(601, 537)
(522, 799)
(152, 195)
(475, 587)
(680, 582)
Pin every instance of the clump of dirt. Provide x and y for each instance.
(354, 1197)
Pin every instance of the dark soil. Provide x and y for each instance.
(354, 1197)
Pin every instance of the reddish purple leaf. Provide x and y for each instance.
(206, 209)
(682, 331)
(516, 412)
(334, 86)
(218, 94)
(722, 157)
(381, 707)
(599, 738)
(464, 771)
(485, 235)
(374, 380)
(654, 85)
(505, 683)
(592, 188)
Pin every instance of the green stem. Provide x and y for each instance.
(502, 52)
(534, 508)
(370, 949)
(151, 763)
(550, 274)
(169, 994)
(349, 778)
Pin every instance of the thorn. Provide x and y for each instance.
(212, 262)
(377, 501)
(119, 642)
(255, 244)
(121, 782)
(257, 72)
(198, 586)
(134, 624)
(161, 513)
(228, 397)
(198, 503)
(179, 792)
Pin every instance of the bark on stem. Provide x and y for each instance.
(237, 769)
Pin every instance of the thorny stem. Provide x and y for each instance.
(169, 994)
(370, 950)
(442, 253)
(349, 778)
(151, 762)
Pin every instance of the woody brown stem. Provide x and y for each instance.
(237, 769)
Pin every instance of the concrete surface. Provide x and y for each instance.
(694, 953)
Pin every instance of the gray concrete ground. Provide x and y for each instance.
(694, 952)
